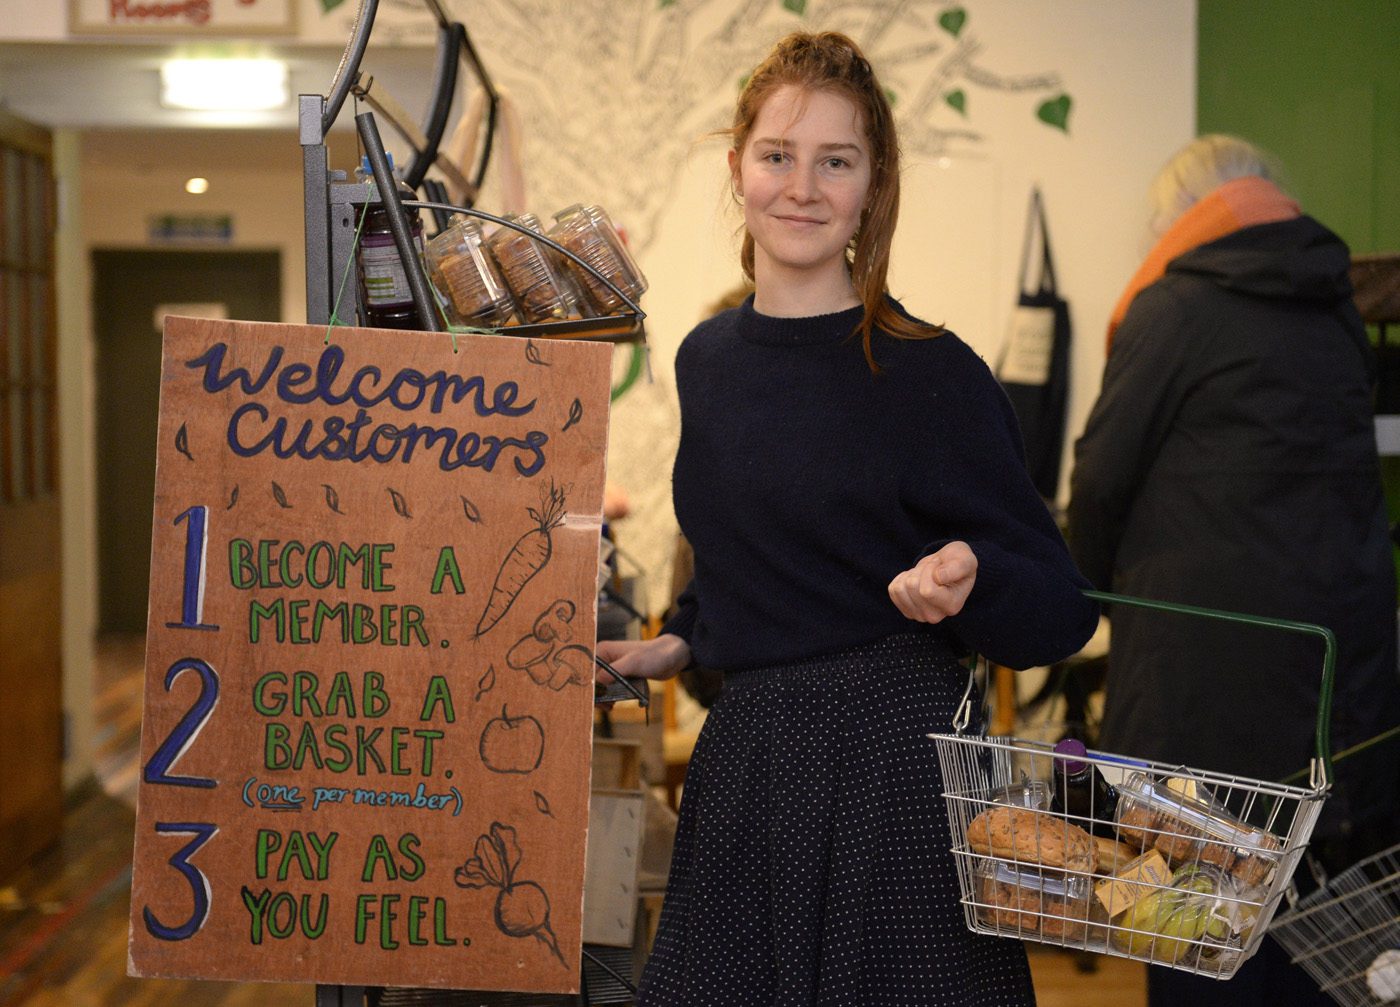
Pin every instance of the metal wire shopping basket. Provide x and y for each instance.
(1169, 865)
(1346, 934)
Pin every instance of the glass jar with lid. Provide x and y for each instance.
(531, 269)
(588, 233)
(468, 276)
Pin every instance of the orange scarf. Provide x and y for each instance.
(1239, 203)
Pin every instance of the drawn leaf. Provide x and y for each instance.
(400, 504)
(329, 5)
(332, 498)
(470, 509)
(532, 354)
(952, 20)
(486, 682)
(1055, 112)
(798, 7)
(473, 875)
(891, 97)
(232, 497)
(503, 837)
(280, 495)
(957, 100)
(663, 4)
(542, 804)
(575, 414)
(182, 441)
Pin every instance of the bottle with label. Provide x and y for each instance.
(386, 299)
(1081, 791)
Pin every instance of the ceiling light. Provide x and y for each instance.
(239, 85)
(196, 186)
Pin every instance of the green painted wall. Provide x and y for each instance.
(1317, 83)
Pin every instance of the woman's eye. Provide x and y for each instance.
(774, 157)
(837, 162)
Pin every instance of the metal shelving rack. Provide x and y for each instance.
(333, 204)
(332, 207)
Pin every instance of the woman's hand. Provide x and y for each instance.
(937, 586)
(663, 657)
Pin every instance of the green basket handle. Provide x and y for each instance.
(1320, 771)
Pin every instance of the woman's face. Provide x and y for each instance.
(803, 175)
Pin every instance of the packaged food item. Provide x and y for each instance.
(1199, 914)
(1136, 879)
(1030, 900)
(467, 275)
(1193, 829)
(1026, 794)
(541, 287)
(1113, 856)
(1383, 976)
(588, 233)
(1025, 835)
(386, 299)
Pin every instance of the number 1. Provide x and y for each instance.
(192, 598)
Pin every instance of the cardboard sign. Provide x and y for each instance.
(369, 670)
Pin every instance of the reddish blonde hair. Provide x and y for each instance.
(830, 61)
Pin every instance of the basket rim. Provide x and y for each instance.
(1030, 747)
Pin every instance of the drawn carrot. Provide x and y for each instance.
(526, 558)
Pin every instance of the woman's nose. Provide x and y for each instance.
(802, 184)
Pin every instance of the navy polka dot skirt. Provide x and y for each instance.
(812, 864)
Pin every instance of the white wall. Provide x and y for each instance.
(616, 101)
(616, 98)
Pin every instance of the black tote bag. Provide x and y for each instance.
(1034, 364)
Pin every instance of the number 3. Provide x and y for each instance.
(199, 884)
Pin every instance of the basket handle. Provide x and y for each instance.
(1320, 769)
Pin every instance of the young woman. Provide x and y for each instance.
(852, 482)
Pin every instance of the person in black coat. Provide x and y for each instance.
(1230, 462)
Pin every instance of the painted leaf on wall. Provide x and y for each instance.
(1055, 112)
(952, 20)
(798, 7)
(958, 100)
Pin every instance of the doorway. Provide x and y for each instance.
(132, 291)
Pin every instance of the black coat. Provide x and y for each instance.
(1230, 462)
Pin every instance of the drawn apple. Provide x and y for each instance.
(512, 744)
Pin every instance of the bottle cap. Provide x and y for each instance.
(1072, 747)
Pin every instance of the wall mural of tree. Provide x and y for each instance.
(613, 95)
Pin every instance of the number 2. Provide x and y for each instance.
(177, 741)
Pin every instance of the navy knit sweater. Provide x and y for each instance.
(805, 483)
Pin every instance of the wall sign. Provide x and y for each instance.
(369, 675)
(190, 18)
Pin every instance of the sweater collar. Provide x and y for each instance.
(814, 330)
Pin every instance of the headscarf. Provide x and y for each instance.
(1238, 203)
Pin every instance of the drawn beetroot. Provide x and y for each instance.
(522, 907)
(526, 558)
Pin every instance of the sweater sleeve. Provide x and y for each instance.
(682, 620)
(1125, 429)
(1027, 605)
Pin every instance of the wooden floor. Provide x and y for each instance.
(63, 917)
